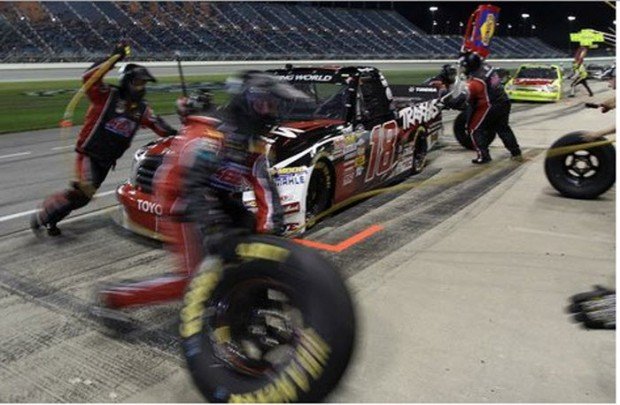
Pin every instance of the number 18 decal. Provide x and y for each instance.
(382, 148)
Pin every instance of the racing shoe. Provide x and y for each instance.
(481, 160)
(517, 158)
(52, 230)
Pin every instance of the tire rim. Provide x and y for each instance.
(581, 166)
(262, 325)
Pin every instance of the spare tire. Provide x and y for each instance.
(460, 131)
(581, 172)
(274, 323)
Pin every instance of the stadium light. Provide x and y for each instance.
(432, 9)
(533, 26)
(570, 19)
(525, 16)
(509, 26)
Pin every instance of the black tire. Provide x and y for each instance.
(582, 173)
(460, 132)
(420, 151)
(320, 189)
(316, 351)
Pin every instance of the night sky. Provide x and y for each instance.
(549, 17)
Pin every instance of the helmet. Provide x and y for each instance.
(257, 100)
(133, 79)
(448, 73)
(470, 61)
(197, 102)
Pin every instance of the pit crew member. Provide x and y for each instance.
(208, 208)
(113, 118)
(490, 108)
(581, 77)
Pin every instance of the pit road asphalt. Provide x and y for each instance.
(460, 298)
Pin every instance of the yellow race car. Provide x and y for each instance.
(536, 83)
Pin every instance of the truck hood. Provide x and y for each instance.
(533, 82)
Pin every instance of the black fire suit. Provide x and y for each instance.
(490, 112)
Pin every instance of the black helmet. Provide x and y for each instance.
(448, 73)
(470, 61)
(133, 79)
(257, 100)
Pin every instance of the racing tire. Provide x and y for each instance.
(320, 189)
(227, 339)
(581, 173)
(460, 132)
(420, 152)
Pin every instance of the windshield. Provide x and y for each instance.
(537, 73)
(328, 100)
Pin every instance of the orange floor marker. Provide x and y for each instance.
(345, 244)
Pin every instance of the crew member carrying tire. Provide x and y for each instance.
(113, 118)
(209, 175)
(264, 319)
(490, 108)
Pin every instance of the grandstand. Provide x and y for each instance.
(52, 31)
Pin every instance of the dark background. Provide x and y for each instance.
(549, 17)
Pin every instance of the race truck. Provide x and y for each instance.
(536, 83)
(357, 134)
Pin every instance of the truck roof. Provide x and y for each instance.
(325, 74)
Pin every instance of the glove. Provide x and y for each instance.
(123, 49)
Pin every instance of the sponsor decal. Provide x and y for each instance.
(262, 251)
(347, 178)
(290, 170)
(419, 113)
(416, 89)
(150, 207)
(283, 200)
(290, 179)
(199, 291)
(291, 227)
(291, 208)
(307, 78)
(350, 139)
(121, 126)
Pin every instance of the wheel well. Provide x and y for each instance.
(417, 136)
(332, 175)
